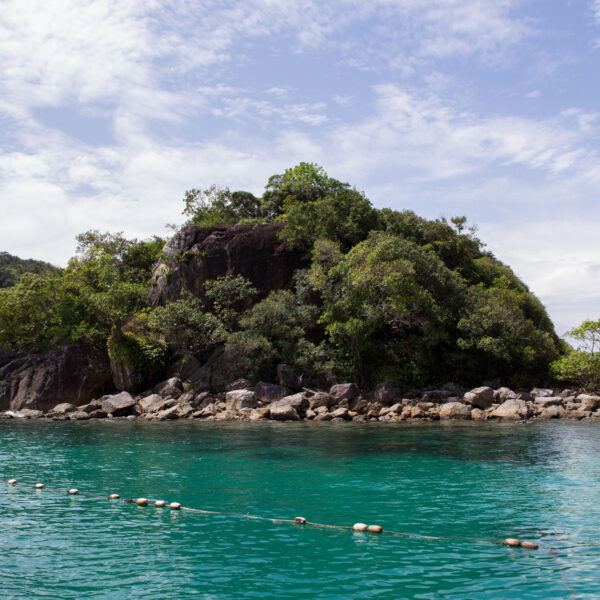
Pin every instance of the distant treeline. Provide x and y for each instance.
(12, 267)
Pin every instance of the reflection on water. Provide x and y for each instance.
(538, 481)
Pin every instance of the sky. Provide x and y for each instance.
(111, 109)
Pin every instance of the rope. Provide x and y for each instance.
(296, 521)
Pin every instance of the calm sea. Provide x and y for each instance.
(538, 482)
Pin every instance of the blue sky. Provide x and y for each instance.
(111, 109)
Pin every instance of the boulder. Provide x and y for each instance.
(298, 402)
(238, 399)
(552, 411)
(341, 413)
(172, 388)
(481, 397)
(98, 414)
(283, 412)
(502, 394)
(152, 403)
(512, 409)
(31, 413)
(269, 392)
(588, 402)
(344, 391)
(76, 373)
(119, 405)
(320, 399)
(544, 401)
(287, 377)
(198, 254)
(454, 410)
(79, 415)
(62, 409)
(541, 392)
(387, 393)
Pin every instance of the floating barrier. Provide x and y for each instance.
(358, 527)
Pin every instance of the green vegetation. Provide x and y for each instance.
(581, 366)
(12, 267)
(386, 295)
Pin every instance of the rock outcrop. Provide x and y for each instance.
(197, 254)
(74, 374)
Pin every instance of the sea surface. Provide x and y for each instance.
(538, 482)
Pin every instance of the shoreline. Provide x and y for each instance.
(266, 402)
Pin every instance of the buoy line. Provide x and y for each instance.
(359, 527)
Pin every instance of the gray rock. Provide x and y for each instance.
(283, 412)
(98, 414)
(239, 399)
(512, 409)
(341, 413)
(588, 402)
(552, 411)
(481, 397)
(31, 413)
(454, 410)
(503, 394)
(320, 399)
(298, 402)
(387, 393)
(63, 408)
(119, 405)
(79, 415)
(545, 401)
(541, 392)
(91, 406)
(172, 388)
(167, 414)
(270, 392)
(152, 403)
(322, 417)
(40, 381)
(344, 391)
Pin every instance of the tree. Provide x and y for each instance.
(582, 365)
(386, 305)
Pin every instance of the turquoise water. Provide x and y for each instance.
(539, 482)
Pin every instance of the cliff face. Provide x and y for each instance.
(75, 374)
(197, 254)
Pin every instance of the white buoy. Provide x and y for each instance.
(300, 520)
(375, 528)
(360, 526)
(114, 496)
(160, 503)
(11, 481)
(141, 501)
(73, 491)
(511, 542)
(175, 505)
(39, 486)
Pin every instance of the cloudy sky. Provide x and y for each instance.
(111, 109)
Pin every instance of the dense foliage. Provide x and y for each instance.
(581, 366)
(387, 295)
(12, 267)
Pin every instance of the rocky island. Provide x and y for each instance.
(308, 285)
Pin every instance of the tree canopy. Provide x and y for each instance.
(383, 295)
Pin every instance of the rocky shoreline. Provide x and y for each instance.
(343, 402)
